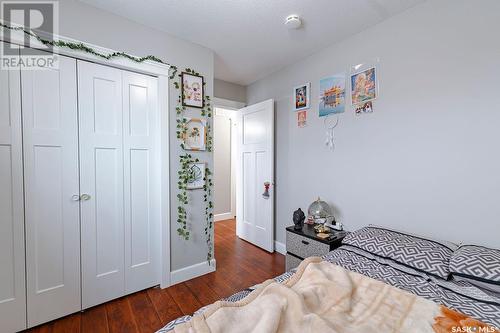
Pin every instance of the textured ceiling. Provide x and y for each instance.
(248, 37)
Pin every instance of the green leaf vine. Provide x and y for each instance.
(185, 173)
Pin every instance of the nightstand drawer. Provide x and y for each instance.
(305, 247)
(291, 261)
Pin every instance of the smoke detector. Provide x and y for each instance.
(293, 22)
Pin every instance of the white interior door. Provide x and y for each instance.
(101, 183)
(255, 213)
(12, 273)
(142, 188)
(50, 131)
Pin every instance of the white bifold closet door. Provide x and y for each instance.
(119, 208)
(50, 132)
(12, 275)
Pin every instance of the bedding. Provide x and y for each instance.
(459, 296)
(321, 297)
(420, 253)
(478, 265)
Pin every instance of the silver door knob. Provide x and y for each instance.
(75, 197)
(85, 197)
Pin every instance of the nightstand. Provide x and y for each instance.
(303, 243)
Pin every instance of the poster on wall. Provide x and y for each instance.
(302, 119)
(364, 86)
(302, 97)
(332, 95)
(366, 107)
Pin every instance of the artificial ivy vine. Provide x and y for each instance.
(185, 173)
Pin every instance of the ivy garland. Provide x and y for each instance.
(84, 48)
(185, 175)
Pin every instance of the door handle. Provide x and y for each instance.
(75, 197)
(85, 197)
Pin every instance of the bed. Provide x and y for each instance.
(460, 295)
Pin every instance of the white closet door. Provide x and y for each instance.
(101, 182)
(50, 130)
(142, 232)
(12, 277)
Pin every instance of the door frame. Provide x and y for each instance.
(220, 107)
(158, 70)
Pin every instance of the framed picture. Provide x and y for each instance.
(332, 95)
(195, 137)
(364, 86)
(302, 97)
(192, 88)
(196, 176)
(366, 107)
(302, 119)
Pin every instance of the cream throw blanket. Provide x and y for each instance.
(322, 297)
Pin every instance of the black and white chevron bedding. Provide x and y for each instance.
(458, 295)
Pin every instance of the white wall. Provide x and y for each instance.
(222, 166)
(230, 91)
(94, 26)
(427, 160)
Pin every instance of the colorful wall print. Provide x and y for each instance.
(302, 118)
(332, 95)
(302, 97)
(366, 107)
(364, 86)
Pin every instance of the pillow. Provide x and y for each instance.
(477, 265)
(422, 254)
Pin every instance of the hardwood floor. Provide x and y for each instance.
(239, 265)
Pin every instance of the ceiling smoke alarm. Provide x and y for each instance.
(293, 22)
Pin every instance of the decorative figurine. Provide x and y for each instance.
(298, 219)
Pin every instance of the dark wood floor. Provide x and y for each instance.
(239, 265)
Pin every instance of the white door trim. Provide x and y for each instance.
(161, 71)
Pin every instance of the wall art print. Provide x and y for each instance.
(332, 95)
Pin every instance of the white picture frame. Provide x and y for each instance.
(198, 180)
(195, 137)
(302, 97)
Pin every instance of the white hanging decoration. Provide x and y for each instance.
(330, 132)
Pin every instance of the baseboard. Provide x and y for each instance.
(190, 272)
(279, 247)
(223, 216)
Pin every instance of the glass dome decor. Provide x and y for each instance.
(319, 209)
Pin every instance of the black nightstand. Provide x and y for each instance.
(304, 243)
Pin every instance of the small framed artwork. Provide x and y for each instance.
(364, 86)
(196, 179)
(302, 97)
(302, 119)
(192, 88)
(366, 107)
(195, 137)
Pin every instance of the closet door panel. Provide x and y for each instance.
(101, 181)
(12, 258)
(142, 230)
(50, 127)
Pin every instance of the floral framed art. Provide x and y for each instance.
(193, 91)
(195, 134)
